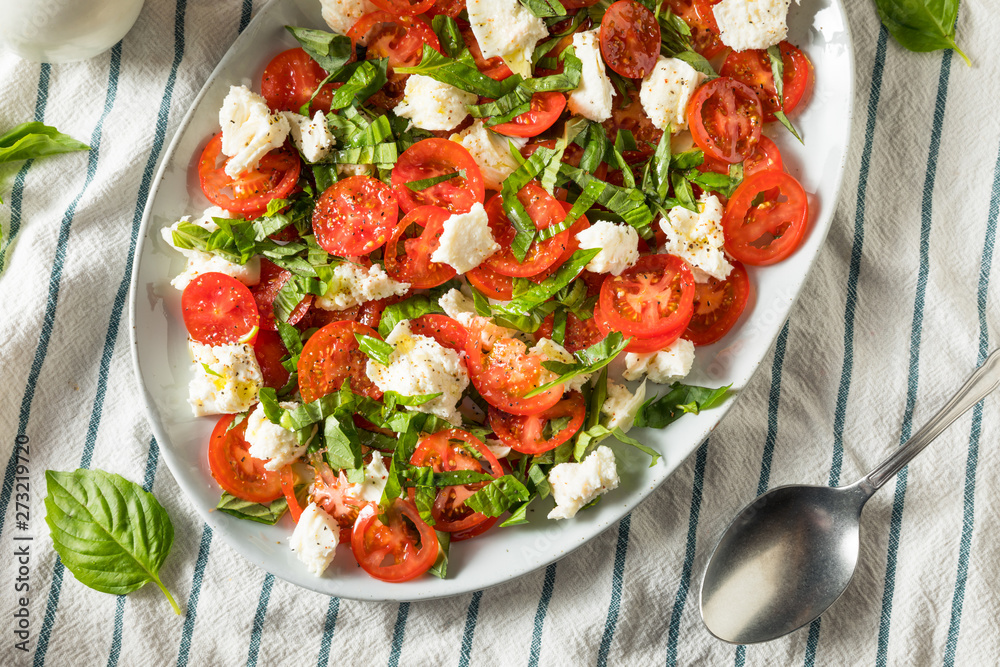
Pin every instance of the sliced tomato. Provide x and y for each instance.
(338, 498)
(631, 117)
(527, 433)
(475, 531)
(331, 356)
(718, 304)
(401, 39)
(766, 157)
(269, 350)
(446, 331)
(544, 112)
(355, 216)
(630, 39)
(494, 285)
(649, 299)
(450, 8)
(438, 157)
(765, 219)
(639, 344)
(272, 279)
(235, 470)
(408, 253)
(251, 191)
(447, 451)
(403, 7)
(698, 15)
(219, 310)
(494, 67)
(725, 118)
(394, 546)
(503, 372)
(572, 245)
(579, 334)
(544, 211)
(290, 80)
(753, 67)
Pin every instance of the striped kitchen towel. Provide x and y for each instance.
(901, 306)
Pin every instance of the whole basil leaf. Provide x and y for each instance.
(28, 141)
(921, 25)
(329, 50)
(109, 532)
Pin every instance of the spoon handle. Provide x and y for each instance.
(985, 379)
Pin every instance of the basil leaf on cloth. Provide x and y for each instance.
(109, 532)
(921, 25)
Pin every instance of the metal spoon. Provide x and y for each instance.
(791, 553)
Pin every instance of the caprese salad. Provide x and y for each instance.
(435, 228)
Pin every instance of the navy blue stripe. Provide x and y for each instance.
(332, 611)
(543, 608)
(116, 637)
(191, 614)
(680, 599)
(968, 514)
(258, 620)
(45, 335)
(245, 14)
(896, 522)
(773, 403)
(149, 477)
(853, 276)
(471, 617)
(398, 632)
(617, 576)
(41, 100)
(17, 192)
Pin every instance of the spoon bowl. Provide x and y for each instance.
(792, 552)
(796, 543)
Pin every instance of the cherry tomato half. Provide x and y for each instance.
(251, 191)
(290, 80)
(235, 470)
(753, 67)
(395, 546)
(355, 216)
(725, 118)
(765, 219)
(437, 157)
(219, 310)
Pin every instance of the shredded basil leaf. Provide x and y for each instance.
(498, 496)
(375, 348)
(249, 511)
(680, 399)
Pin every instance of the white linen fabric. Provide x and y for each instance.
(901, 306)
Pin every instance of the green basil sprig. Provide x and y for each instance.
(921, 25)
(109, 532)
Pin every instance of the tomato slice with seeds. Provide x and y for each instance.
(448, 451)
(403, 7)
(235, 470)
(401, 39)
(765, 219)
(446, 331)
(698, 15)
(336, 495)
(290, 80)
(438, 157)
(355, 216)
(639, 344)
(649, 299)
(450, 8)
(408, 253)
(503, 372)
(718, 304)
(219, 310)
(544, 112)
(534, 434)
(272, 279)
(494, 285)
(753, 67)
(630, 39)
(269, 350)
(251, 191)
(725, 118)
(295, 488)
(394, 546)
(545, 211)
(579, 334)
(331, 356)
